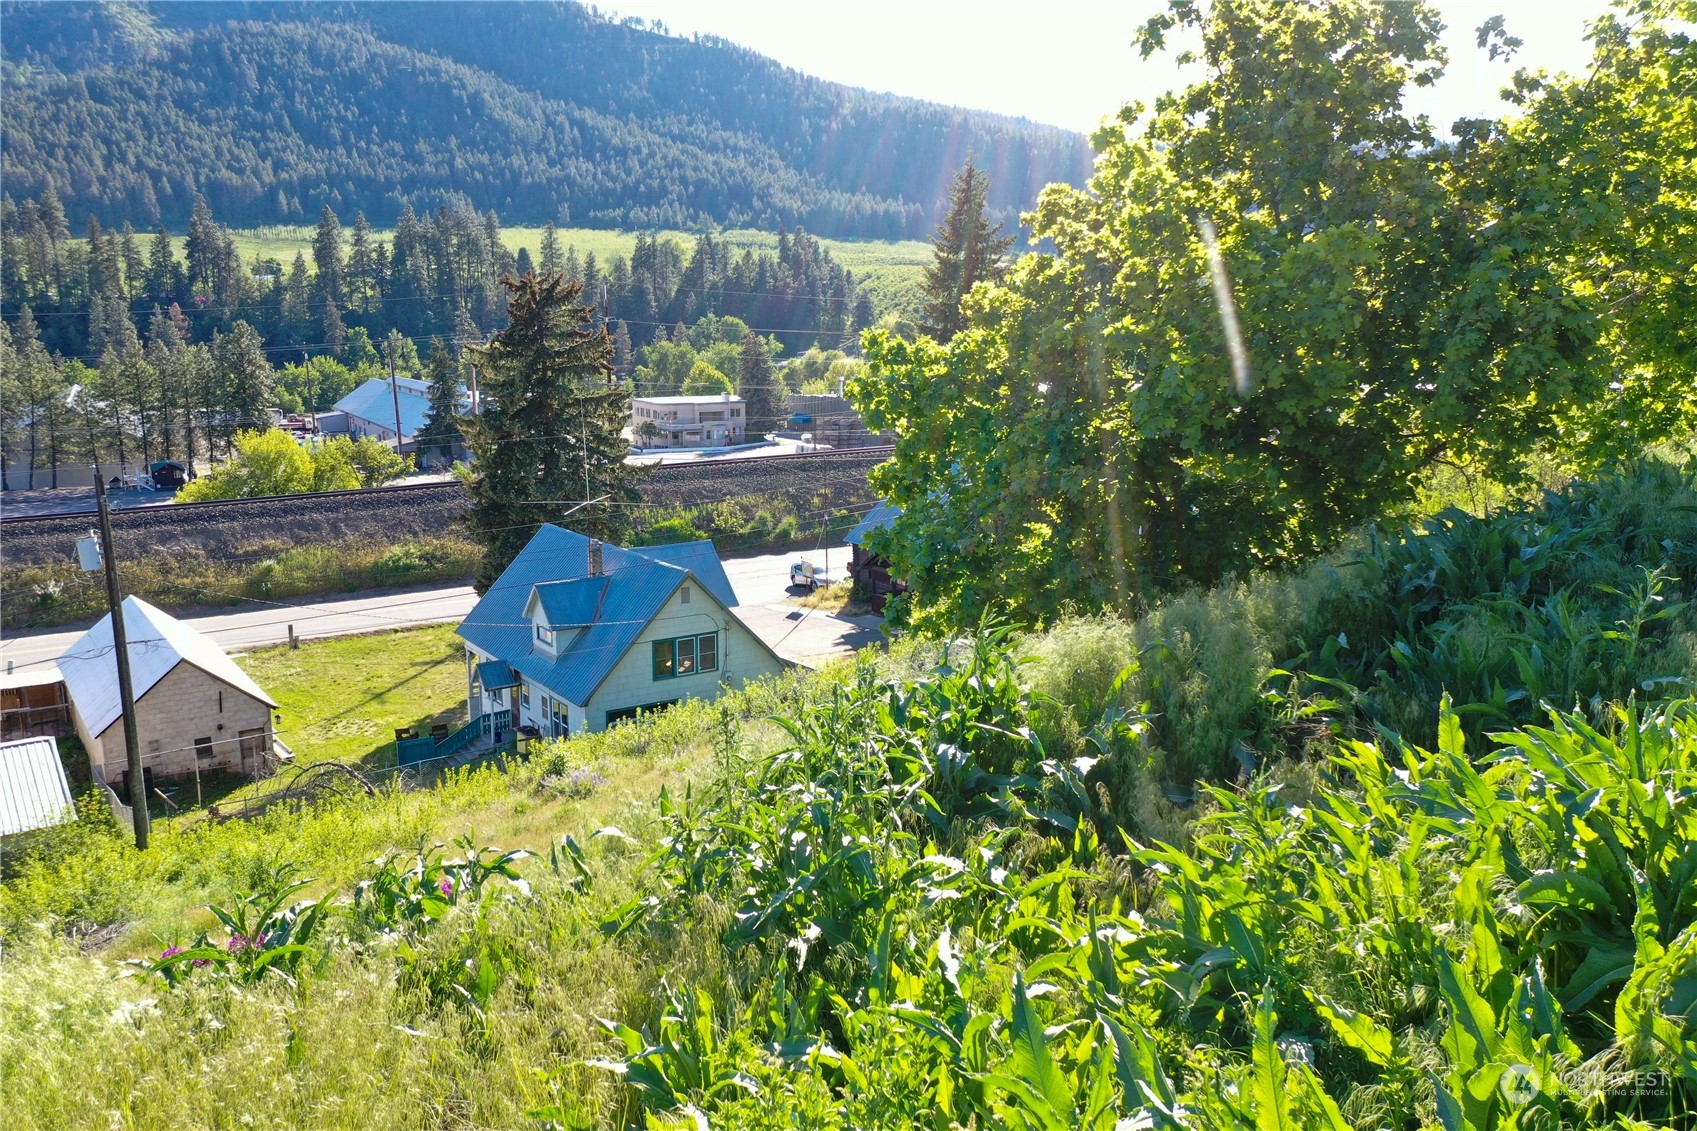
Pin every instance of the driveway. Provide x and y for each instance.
(809, 637)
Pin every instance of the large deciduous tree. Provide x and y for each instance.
(550, 434)
(1089, 436)
(967, 250)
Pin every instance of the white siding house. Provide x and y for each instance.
(574, 635)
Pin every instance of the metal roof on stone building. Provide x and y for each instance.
(33, 791)
(158, 643)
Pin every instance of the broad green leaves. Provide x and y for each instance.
(1402, 300)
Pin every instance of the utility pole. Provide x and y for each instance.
(395, 392)
(121, 648)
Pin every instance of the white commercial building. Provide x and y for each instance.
(714, 421)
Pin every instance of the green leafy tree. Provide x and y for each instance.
(376, 463)
(967, 250)
(665, 366)
(704, 380)
(316, 384)
(1109, 424)
(264, 463)
(552, 428)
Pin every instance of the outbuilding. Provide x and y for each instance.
(34, 792)
(195, 709)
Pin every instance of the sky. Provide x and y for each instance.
(1070, 62)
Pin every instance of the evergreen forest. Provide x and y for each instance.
(543, 112)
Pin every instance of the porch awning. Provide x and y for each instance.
(495, 675)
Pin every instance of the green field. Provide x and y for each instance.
(342, 699)
(889, 269)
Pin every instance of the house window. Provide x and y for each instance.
(686, 655)
(684, 600)
(524, 693)
(203, 749)
(545, 635)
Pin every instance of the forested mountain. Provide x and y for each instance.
(542, 111)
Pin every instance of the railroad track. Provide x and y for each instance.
(694, 470)
(232, 528)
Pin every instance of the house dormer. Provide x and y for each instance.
(558, 609)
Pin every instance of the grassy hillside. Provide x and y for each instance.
(1406, 840)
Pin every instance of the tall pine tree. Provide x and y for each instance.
(758, 384)
(968, 251)
(441, 429)
(551, 427)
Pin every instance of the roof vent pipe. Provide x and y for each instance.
(595, 557)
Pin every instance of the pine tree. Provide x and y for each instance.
(621, 349)
(327, 254)
(441, 429)
(248, 381)
(551, 261)
(335, 334)
(53, 223)
(968, 251)
(202, 248)
(758, 384)
(361, 271)
(551, 428)
(163, 273)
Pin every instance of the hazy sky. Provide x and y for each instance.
(1070, 62)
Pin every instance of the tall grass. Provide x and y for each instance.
(948, 887)
(43, 595)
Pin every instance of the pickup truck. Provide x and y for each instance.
(806, 575)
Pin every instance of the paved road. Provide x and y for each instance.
(760, 582)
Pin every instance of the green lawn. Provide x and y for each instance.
(343, 698)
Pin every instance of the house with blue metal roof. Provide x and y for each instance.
(575, 635)
(871, 571)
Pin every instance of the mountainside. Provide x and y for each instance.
(542, 111)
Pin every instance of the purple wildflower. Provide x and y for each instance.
(239, 943)
(170, 952)
(199, 962)
(446, 887)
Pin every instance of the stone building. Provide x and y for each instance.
(195, 709)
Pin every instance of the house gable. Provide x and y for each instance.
(740, 656)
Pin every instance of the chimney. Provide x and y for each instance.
(595, 557)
